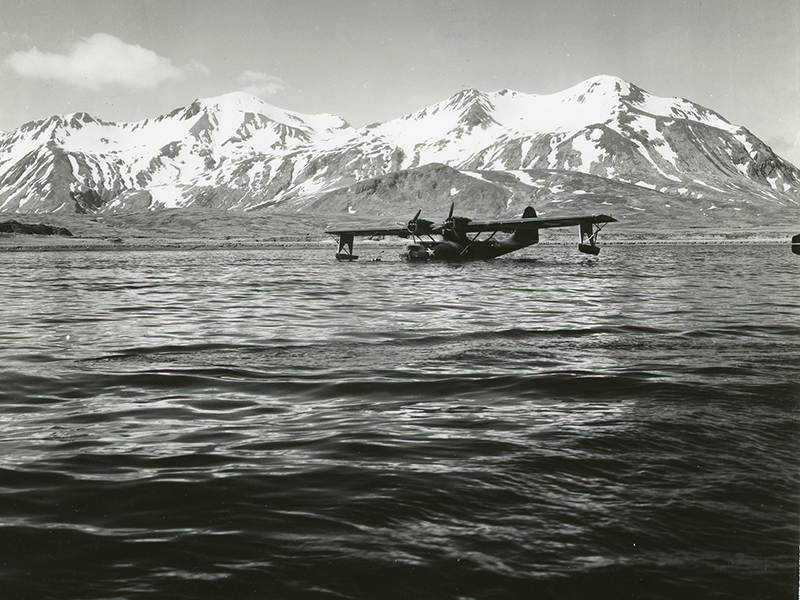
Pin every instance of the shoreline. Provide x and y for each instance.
(26, 243)
(198, 229)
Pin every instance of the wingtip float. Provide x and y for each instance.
(462, 239)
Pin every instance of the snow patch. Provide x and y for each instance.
(475, 175)
(526, 178)
(773, 182)
(74, 164)
(708, 185)
(589, 151)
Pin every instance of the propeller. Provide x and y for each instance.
(417, 226)
(449, 223)
(414, 223)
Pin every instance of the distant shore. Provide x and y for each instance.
(202, 229)
(31, 243)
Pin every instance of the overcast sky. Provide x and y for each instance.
(375, 60)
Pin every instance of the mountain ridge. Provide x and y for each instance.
(238, 152)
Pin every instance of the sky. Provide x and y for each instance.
(372, 61)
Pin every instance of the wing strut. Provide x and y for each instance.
(589, 232)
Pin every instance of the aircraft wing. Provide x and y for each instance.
(512, 225)
(369, 231)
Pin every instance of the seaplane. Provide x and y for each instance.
(459, 239)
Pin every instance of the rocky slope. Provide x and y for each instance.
(604, 145)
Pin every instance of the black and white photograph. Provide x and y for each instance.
(408, 300)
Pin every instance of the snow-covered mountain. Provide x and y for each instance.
(602, 137)
(79, 163)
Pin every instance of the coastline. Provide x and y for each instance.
(11, 243)
(208, 229)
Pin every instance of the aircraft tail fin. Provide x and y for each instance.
(528, 236)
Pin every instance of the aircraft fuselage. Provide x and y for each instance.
(454, 252)
(456, 245)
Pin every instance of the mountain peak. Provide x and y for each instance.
(237, 101)
(237, 115)
(606, 89)
(475, 108)
(608, 82)
(466, 98)
(466, 95)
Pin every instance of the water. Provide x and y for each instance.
(273, 424)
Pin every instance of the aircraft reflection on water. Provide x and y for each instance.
(451, 240)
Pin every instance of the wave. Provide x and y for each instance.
(183, 425)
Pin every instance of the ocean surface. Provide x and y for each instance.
(273, 424)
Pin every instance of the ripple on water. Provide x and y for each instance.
(180, 424)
